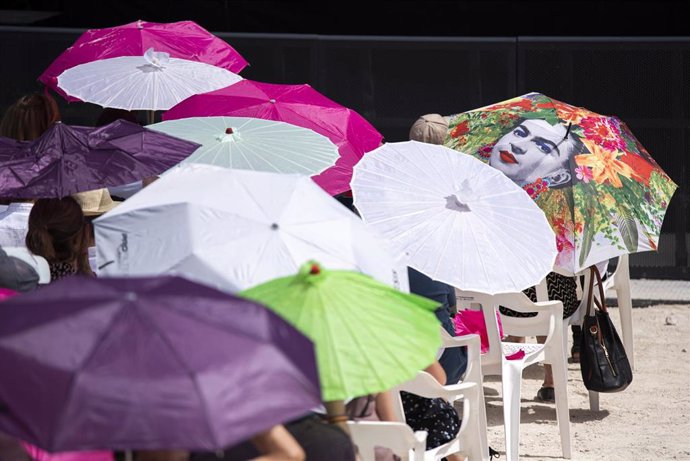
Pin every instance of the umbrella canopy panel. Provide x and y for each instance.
(149, 363)
(369, 337)
(233, 229)
(458, 220)
(69, 159)
(299, 105)
(602, 192)
(182, 40)
(253, 144)
(152, 81)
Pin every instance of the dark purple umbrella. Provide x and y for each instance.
(9, 148)
(147, 363)
(68, 159)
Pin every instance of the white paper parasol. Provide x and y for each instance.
(459, 221)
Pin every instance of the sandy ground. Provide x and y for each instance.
(647, 421)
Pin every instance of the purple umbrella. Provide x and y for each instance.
(147, 363)
(68, 159)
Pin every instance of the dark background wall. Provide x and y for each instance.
(630, 59)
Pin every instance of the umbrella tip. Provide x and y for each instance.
(229, 130)
(275, 226)
(314, 269)
(272, 101)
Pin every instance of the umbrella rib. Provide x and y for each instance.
(191, 374)
(261, 254)
(253, 199)
(382, 345)
(387, 176)
(285, 154)
(481, 260)
(331, 335)
(73, 379)
(446, 241)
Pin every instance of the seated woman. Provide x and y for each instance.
(274, 444)
(58, 232)
(309, 437)
(560, 288)
(435, 416)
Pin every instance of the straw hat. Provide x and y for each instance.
(95, 202)
(429, 128)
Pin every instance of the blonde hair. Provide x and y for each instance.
(430, 128)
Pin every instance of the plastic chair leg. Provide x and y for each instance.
(483, 436)
(476, 440)
(512, 377)
(621, 283)
(560, 376)
(593, 401)
(625, 311)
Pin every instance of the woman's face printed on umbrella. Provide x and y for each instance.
(534, 149)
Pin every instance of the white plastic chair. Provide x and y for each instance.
(467, 439)
(39, 263)
(399, 437)
(473, 374)
(620, 281)
(548, 322)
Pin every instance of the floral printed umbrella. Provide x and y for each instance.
(601, 191)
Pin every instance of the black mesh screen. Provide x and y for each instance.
(26, 54)
(643, 82)
(392, 81)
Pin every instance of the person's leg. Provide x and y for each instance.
(546, 393)
(454, 359)
(321, 440)
(575, 349)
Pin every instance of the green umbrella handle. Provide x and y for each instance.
(335, 412)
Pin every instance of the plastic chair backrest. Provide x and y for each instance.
(548, 322)
(399, 437)
(39, 263)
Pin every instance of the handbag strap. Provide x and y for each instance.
(591, 299)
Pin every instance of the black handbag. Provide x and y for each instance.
(603, 361)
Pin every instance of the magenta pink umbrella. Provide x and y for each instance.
(299, 105)
(183, 39)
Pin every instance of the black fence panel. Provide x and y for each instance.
(643, 81)
(393, 80)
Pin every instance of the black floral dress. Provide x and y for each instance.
(61, 269)
(435, 416)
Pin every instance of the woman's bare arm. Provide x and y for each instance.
(436, 370)
(384, 406)
(276, 444)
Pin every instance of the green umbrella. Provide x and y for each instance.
(369, 337)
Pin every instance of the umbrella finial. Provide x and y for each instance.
(229, 135)
(157, 59)
(453, 203)
(309, 269)
(272, 101)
